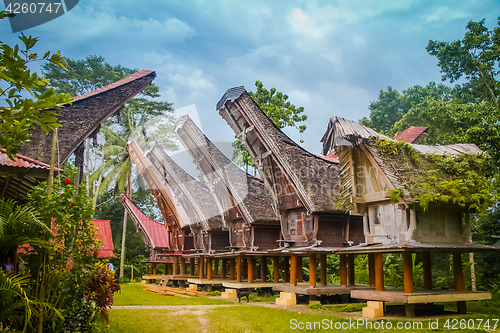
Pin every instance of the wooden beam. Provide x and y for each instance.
(379, 271)
(238, 269)
(176, 265)
(350, 266)
(371, 269)
(201, 268)
(312, 270)
(183, 265)
(293, 269)
(223, 272)
(209, 268)
(343, 269)
(322, 263)
(251, 261)
(276, 269)
(427, 270)
(408, 271)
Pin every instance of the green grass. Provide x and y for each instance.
(133, 294)
(151, 321)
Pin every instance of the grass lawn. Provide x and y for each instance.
(152, 321)
(133, 294)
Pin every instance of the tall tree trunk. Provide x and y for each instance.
(124, 232)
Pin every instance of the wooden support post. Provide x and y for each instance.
(350, 267)
(245, 268)
(379, 271)
(427, 269)
(263, 268)
(300, 270)
(223, 270)
(238, 269)
(170, 269)
(209, 268)
(176, 265)
(276, 269)
(312, 270)
(254, 263)
(201, 268)
(216, 266)
(459, 281)
(322, 264)
(154, 269)
(150, 268)
(408, 272)
(293, 269)
(286, 268)
(343, 269)
(191, 266)
(251, 266)
(182, 261)
(371, 269)
(232, 268)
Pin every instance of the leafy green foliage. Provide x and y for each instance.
(16, 79)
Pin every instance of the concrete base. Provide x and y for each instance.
(286, 299)
(373, 310)
(229, 293)
(192, 287)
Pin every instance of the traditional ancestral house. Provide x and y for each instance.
(413, 198)
(204, 216)
(303, 186)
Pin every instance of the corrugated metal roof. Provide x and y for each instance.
(22, 161)
(156, 231)
(412, 134)
(332, 157)
(104, 234)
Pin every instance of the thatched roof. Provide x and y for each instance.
(244, 191)
(172, 211)
(194, 196)
(83, 118)
(313, 179)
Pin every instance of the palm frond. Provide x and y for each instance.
(109, 178)
(124, 174)
(112, 137)
(113, 150)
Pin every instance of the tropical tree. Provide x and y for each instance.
(29, 102)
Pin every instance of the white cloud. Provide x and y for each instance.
(444, 13)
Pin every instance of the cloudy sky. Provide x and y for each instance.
(331, 57)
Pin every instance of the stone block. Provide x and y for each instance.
(229, 293)
(372, 312)
(286, 295)
(285, 301)
(375, 305)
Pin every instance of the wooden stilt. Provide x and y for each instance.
(300, 270)
(312, 270)
(176, 265)
(254, 263)
(182, 261)
(343, 269)
(251, 266)
(276, 269)
(286, 268)
(350, 268)
(170, 269)
(408, 272)
(379, 271)
(238, 269)
(293, 269)
(150, 268)
(263, 268)
(232, 269)
(322, 264)
(154, 269)
(223, 272)
(191, 266)
(216, 266)
(371, 269)
(459, 281)
(201, 269)
(209, 268)
(245, 268)
(427, 269)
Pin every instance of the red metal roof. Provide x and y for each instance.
(130, 78)
(22, 161)
(412, 134)
(104, 234)
(155, 231)
(332, 157)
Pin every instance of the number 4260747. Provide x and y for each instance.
(33, 8)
